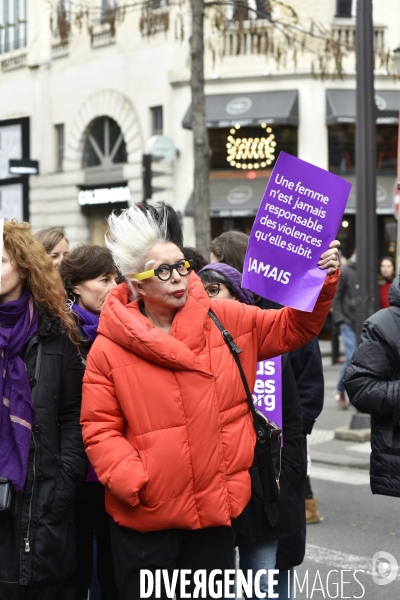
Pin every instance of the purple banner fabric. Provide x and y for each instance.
(267, 394)
(299, 216)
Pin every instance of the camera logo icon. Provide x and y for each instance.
(384, 568)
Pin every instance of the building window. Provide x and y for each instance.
(104, 144)
(12, 25)
(342, 148)
(343, 8)
(156, 120)
(108, 10)
(59, 147)
(63, 28)
(250, 9)
(154, 4)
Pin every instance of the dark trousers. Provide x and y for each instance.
(308, 489)
(209, 548)
(91, 519)
(291, 549)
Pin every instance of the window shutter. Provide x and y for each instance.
(343, 8)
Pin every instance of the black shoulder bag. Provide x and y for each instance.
(266, 469)
(8, 494)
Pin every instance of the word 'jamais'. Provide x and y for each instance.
(268, 271)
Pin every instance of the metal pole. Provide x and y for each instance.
(366, 220)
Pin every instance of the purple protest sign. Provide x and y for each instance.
(267, 394)
(298, 217)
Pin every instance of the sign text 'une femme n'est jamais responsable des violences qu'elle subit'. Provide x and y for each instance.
(296, 209)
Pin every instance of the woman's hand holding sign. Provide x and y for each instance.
(329, 259)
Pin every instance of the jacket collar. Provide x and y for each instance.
(122, 322)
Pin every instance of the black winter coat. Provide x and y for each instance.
(344, 303)
(372, 381)
(307, 369)
(37, 545)
(306, 363)
(258, 523)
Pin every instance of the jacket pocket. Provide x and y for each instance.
(63, 500)
(142, 495)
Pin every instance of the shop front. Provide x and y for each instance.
(341, 123)
(246, 133)
(97, 203)
(105, 190)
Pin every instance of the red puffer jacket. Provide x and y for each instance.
(165, 418)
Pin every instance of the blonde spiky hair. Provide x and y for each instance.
(131, 235)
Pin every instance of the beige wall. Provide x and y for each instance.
(124, 79)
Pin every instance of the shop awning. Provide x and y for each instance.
(242, 197)
(384, 195)
(341, 106)
(233, 197)
(225, 110)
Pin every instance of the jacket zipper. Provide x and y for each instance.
(26, 539)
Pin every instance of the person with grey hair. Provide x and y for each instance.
(165, 418)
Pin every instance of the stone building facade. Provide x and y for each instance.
(85, 101)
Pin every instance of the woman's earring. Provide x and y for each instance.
(71, 301)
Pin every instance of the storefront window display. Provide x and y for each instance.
(342, 148)
(250, 148)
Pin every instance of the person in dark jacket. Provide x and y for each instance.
(306, 363)
(41, 448)
(372, 381)
(89, 273)
(344, 315)
(260, 527)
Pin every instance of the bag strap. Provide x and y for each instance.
(235, 351)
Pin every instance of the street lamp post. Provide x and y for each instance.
(396, 62)
(366, 222)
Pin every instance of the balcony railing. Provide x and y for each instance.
(252, 37)
(59, 50)
(102, 38)
(14, 62)
(346, 35)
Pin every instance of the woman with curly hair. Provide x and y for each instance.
(41, 450)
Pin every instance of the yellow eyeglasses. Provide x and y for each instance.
(164, 271)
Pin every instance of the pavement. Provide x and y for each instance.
(324, 449)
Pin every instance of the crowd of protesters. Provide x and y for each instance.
(124, 420)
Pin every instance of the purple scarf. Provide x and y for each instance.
(18, 323)
(88, 321)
